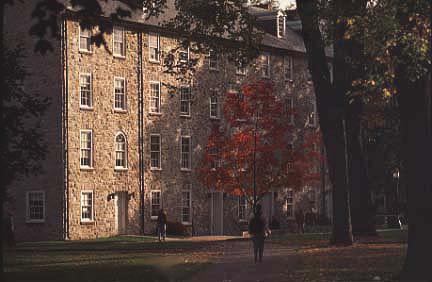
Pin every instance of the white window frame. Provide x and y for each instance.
(290, 109)
(124, 108)
(122, 53)
(217, 105)
(82, 106)
(125, 167)
(154, 60)
(92, 206)
(190, 153)
(151, 109)
(186, 101)
(151, 203)
(28, 219)
(159, 152)
(91, 148)
(292, 204)
(90, 49)
(240, 69)
(288, 68)
(189, 191)
(215, 59)
(278, 22)
(265, 64)
(330, 68)
(181, 50)
(245, 219)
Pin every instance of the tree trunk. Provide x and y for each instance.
(416, 126)
(330, 105)
(2, 141)
(362, 215)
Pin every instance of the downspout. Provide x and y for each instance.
(65, 78)
(141, 130)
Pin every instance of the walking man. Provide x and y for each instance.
(258, 232)
(161, 225)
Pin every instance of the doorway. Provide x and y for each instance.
(216, 206)
(121, 212)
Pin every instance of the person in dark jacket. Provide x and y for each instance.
(258, 232)
(161, 225)
(300, 219)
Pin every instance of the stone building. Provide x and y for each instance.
(121, 145)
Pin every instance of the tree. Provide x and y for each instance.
(331, 101)
(21, 138)
(249, 153)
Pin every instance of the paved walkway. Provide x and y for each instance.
(237, 265)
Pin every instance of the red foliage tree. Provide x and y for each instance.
(249, 154)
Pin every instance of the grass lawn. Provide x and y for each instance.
(370, 257)
(306, 257)
(109, 260)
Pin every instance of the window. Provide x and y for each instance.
(312, 118)
(214, 106)
(35, 206)
(155, 97)
(213, 60)
(155, 151)
(119, 94)
(154, 48)
(185, 153)
(120, 151)
(265, 65)
(86, 143)
(85, 91)
(330, 67)
(183, 55)
(290, 203)
(156, 201)
(85, 43)
(186, 214)
(119, 45)
(86, 205)
(240, 68)
(185, 95)
(288, 68)
(243, 208)
(281, 26)
(215, 158)
(290, 109)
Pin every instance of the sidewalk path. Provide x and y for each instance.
(237, 265)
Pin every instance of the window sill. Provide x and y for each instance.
(120, 169)
(88, 168)
(85, 108)
(240, 74)
(35, 221)
(87, 222)
(185, 116)
(154, 62)
(122, 57)
(155, 169)
(154, 114)
(214, 70)
(187, 223)
(215, 118)
(120, 111)
(186, 169)
(290, 80)
(242, 221)
(84, 51)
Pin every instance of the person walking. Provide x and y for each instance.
(300, 218)
(258, 231)
(161, 225)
